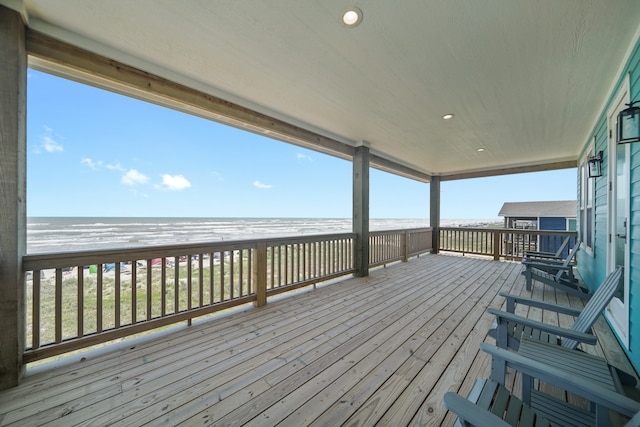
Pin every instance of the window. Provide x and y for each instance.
(586, 205)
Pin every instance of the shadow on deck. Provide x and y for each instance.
(376, 350)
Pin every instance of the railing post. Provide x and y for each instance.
(434, 213)
(361, 210)
(405, 246)
(260, 274)
(496, 245)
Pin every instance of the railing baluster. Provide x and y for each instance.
(222, 281)
(117, 284)
(250, 269)
(232, 274)
(58, 306)
(163, 287)
(148, 292)
(189, 286)
(80, 302)
(200, 280)
(134, 293)
(211, 275)
(271, 282)
(99, 310)
(279, 265)
(35, 326)
(176, 284)
(241, 273)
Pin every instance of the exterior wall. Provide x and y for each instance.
(553, 223)
(593, 264)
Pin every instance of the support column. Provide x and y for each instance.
(13, 165)
(434, 216)
(361, 210)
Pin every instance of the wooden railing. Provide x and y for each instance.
(397, 245)
(79, 299)
(500, 242)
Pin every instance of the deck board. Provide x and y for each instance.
(378, 350)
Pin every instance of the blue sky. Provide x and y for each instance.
(95, 153)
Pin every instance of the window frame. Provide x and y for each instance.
(587, 204)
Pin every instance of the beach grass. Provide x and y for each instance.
(216, 287)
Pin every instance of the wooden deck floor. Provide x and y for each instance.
(380, 350)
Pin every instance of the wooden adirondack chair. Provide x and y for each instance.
(555, 273)
(557, 346)
(557, 255)
(490, 404)
(509, 328)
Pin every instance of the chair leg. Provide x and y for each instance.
(528, 278)
(527, 386)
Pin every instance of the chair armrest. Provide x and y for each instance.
(546, 264)
(545, 327)
(471, 413)
(541, 254)
(566, 381)
(540, 304)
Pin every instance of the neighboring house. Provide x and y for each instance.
(549, 215)
(609, 207)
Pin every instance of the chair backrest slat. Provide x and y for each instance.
(568, 260)
(596, 304)
(563, 246)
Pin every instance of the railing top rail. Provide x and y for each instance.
(400, 230)
(70, 259)
(516, 231)
(306, 238)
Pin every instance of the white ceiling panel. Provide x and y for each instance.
(525, 79)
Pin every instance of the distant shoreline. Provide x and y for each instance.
(64, 234)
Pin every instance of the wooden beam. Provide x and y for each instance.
(13, 166)
(361, 210)
(388, 166)
(567, 164)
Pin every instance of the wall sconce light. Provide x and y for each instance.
(629, 124)
(595, 165)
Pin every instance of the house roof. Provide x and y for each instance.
(525, 80)
(559, 208)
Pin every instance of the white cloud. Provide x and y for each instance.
(301, 156)
(50, 145)
(258, 184)
(175, 182)
(117, 167)
(134, 177)
(90, 163)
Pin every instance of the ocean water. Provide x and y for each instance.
(57, 234)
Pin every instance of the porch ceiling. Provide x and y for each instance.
(525, 79)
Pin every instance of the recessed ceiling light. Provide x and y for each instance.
(351, 17)
(479, 150)
(447, 116)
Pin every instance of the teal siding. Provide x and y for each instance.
(593, 266)
(634, 222)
